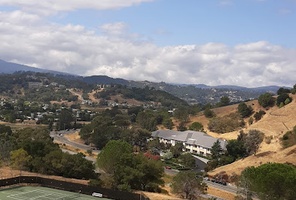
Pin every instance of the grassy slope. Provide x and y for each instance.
(275, 123)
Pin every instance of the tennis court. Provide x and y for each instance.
(41, 193)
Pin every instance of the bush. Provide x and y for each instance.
(251, 140)
(258, 115)
(289, 138)
(268, 139)
(226, 123)
(266, 100)
(244, 110)
(196, 126)
(209, 113)
(283, 99)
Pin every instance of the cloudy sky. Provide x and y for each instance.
(215, 42)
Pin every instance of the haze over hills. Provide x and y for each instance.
(193, 94)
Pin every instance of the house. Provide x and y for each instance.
(193, 141)
(35, 85)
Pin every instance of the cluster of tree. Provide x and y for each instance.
(289, 138)
(12, 84)
(266, 100)
(47, 94)
(20, 110)
(271, 181)
(283, 98)
(227, 123)
(33, 150)
(258, 115)
(244, 110)
(133, 126)
(245, 145)
(142, 94)
(128, 170)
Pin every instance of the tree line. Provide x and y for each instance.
(33, 150)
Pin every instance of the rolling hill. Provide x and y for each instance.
(274, 124)
(193, 94)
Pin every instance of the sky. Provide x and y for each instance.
(247, 43)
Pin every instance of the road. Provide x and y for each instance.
(58, 137)
(227, 188)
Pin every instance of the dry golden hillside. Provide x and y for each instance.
(275, 123)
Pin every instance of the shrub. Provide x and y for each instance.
(266, 100)
(268, 139)
(209, 113)
(226, 123)
(258, 115)
(283, 98)
(289, 138)
(252, 140)
(244, 110)
(196, 126)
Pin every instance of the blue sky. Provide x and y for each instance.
(240, 42)
(170, 22)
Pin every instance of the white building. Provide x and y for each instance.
(193, 141)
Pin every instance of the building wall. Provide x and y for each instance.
(197, 149)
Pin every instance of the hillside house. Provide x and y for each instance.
(193, 141)
(35, 85)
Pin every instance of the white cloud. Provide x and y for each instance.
(30, 39)
(52, 6)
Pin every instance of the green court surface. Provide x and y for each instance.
(41, 193)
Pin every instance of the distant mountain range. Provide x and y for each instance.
(10, 68)
(197, 93)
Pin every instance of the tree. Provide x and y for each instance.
(252, 141)
(182, 126)
(216, 150)
(168, 123)
(182, 114)
(146, 119)
(20, 159)
(271, 181)
(266, 100)
(111, 155)
(209, 113)
(258, 115)
(188, 160)
(283, 91)
(177, 150)
(138, 172)
(136, 137)
(188, 185)
(65, 119)
(236, 149)
(244, 110)
(283, 98)
(293, 90)
(196, 126)
(224, 101)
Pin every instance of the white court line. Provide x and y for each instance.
(45, 193)
(22, 193)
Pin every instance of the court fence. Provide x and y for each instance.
(72, 187)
